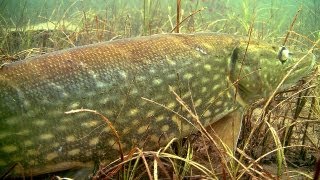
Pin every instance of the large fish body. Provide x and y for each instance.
(131, 82)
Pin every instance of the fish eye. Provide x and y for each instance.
(283, 54)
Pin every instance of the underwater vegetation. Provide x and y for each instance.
(279, 137)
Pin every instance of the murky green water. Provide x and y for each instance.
(271, 18)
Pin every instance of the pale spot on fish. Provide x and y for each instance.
(62, 128)
(109, 111)
(123, 145)
(141, 78)
(177, 121)
(265, 76)
(32, 152)
(160, 118)
(165, 128)
(126, 130)
(46, 136)
(207, 67)
(142, 129)
(133, 112)
(172, 76)
(208, 121)
(150, 113)
(203, 89)
(89, 124)
(229, 95)
(33, 162)
(186, 128)
(219, 103)
(28, 143)
(196, 64)
(26, 103)
(66, 120)
(74, 105)
(94, 141)
(187, 76)
(135, 122)
(9, 148)
(157, 82)
(154, 138)
(170, 62)
(12, 121)
(186, 95)
(52, 156)
(74, 152)
(116, 147)
(104, 100)
(172, 135)
(24, 132)
(201, 50)
(207, 113)
(197, 103)
(55, 145)
(205, 80)
(218, 110)
(100, 84)
(158, 97)
(171, 105)
(123, 74)
(71, 138)
(152, 71)
(173, 88)
(215, 87)
(143, 103)
(106, 129)
(39, 122)
(212, 99)
(216, 77)
(111, 142)
(134, 91)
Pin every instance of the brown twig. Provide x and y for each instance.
(192, 14)
(178, 16)
(291, 27)
(145, 163)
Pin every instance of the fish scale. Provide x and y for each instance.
(129, 81)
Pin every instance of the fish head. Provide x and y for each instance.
(259, 69)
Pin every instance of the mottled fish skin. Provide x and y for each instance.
(112, 78)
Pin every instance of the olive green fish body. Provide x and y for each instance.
(131, 82)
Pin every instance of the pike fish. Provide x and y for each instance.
(132, 83)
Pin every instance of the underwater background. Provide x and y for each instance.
(76, 22)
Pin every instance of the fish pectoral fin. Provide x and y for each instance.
(226, 131)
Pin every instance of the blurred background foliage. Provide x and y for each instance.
(57, 24)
